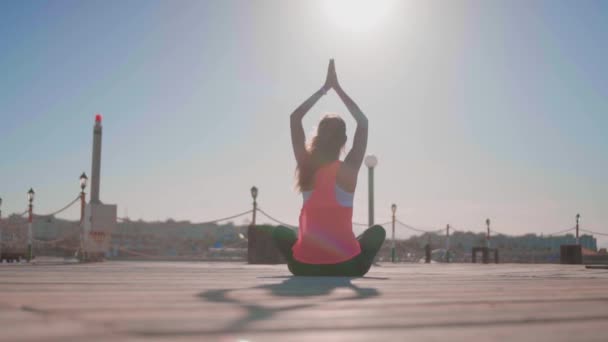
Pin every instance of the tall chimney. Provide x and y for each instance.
(96, 167)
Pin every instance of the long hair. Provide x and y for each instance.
(324, 148)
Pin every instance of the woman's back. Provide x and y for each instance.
(325, 235)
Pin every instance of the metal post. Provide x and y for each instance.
(254, 195)
(255, 209)
(253, 253)
(488, 234)
(578, 217)
(30, 219)
(393, 209)
(370, 161)
(83, 184)
(82, 235)
(370, 192)
(447, 243)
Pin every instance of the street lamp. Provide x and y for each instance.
(30, 196)
(394, 210)
(371, 161)
(83, 185)
(578, 217)
(83, 181)
(30, 199)
(488, 235)
(254, 195)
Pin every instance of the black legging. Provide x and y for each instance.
(370, 241)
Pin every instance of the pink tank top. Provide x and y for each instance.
(326, 228)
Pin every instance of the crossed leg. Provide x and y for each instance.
(370, 242)
(284, 238)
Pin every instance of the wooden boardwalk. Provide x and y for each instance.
(196, 301)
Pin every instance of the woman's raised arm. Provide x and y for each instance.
(354, 158)
(298, 139)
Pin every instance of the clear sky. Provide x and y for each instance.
(477, 108)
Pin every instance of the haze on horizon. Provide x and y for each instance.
(476, 109)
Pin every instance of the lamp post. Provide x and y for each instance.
(254, 195)
(488, 234)
(30, 233)
(83, 185)
(447, 243)
(578, 217)
(394, 210)
(371, 161)
(427, 249)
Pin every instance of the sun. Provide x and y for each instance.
(357, 15)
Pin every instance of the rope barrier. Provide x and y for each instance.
(561, 231)
(454, 229)
(276, 220)
(226, 218)
(270, 217)
(60, 210)
(551, 234)
(417, 229)
(592, 232)
(405, 225)
(367, 225)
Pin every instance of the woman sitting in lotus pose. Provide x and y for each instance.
(325, 244)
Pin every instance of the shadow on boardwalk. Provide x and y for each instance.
(293, 287)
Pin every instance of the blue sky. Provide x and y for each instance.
(477, 109)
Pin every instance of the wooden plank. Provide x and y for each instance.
(231, 301)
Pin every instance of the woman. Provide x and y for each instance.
(326, 245)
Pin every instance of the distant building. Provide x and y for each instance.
(524, 248)
(55, 236)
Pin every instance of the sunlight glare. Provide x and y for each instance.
(357, 15)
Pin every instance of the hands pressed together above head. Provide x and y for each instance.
(354, 158)
(331, 80)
